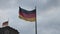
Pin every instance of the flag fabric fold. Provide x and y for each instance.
(27, 15)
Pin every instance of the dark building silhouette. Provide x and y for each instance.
(7, 29)
(1, 32)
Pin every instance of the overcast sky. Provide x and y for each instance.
(48, 15)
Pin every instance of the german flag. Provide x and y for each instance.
(27, 15)
(5, 23)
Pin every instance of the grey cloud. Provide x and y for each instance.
(48, 3)
(8, 4)
(50, 23)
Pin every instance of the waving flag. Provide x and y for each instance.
(5, 23)
(27, 15)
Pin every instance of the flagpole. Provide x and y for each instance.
(36, 27)
(35, 22)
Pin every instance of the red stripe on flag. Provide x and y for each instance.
(27, 15)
